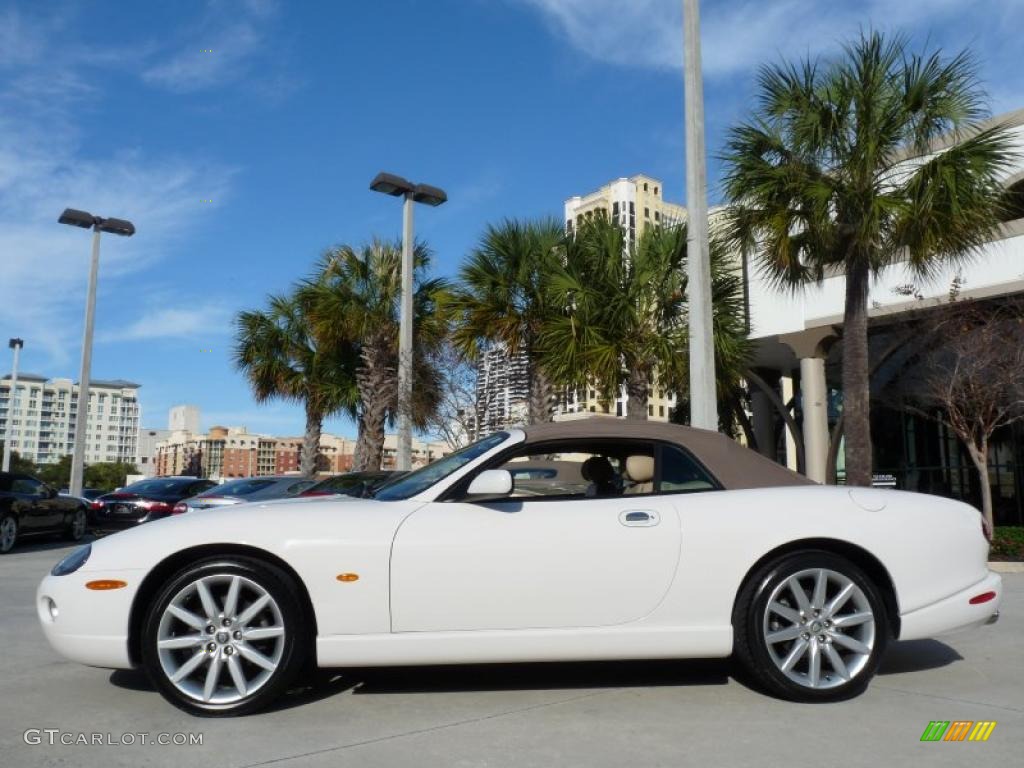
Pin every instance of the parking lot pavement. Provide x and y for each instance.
(609, 714)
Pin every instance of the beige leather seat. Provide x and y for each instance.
(640, 469)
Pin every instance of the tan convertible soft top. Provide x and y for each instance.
(733, 465)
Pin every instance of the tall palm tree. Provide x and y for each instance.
(355, 298)
(501, 298)
(282, 356)
(836, 170)
(624, 320)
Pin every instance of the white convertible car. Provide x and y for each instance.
(595, 539)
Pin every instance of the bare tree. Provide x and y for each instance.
(967, 373)
(458, 418)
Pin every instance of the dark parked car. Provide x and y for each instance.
(143, 502)
(29, 507)
(89, 494)
(357, 484)
(244, 490)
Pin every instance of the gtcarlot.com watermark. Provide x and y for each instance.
(55, 736)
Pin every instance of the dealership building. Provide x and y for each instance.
(797, 357)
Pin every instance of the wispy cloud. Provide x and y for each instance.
(201, 323)
(44, 90)
(218, 49)
(738, 35)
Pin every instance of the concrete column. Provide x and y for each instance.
(788, 389)
(763, 422)
(814, 403)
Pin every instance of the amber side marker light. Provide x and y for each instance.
(348, 577)
(102, 584)
(984, 597)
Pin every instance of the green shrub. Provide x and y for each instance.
(1008, 543)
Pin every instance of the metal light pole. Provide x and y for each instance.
(16, 345)
(97, 224)
(396, 186)
(703, 401)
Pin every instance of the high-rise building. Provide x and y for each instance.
(502, 389)
(183, 418)
(633, 203)
(43, 411)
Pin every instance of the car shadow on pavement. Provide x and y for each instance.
(917, 656)
(320, 685)
(537, 676)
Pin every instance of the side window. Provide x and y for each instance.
(681, 474)
(26, 485)
(579, 469)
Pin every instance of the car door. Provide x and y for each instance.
(534, 561)
(35, 505)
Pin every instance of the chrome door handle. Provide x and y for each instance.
(638, 517)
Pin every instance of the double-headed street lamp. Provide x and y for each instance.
(396, 186)
(97, 224)
(16, 345)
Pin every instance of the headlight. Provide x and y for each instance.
(72, 562)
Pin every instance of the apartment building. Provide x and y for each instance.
(229, 452)
(42, 414)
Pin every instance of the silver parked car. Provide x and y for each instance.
(244, 490)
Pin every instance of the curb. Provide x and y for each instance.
(1005, 566)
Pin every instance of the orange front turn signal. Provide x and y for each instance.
(348, 577)
(102, 584)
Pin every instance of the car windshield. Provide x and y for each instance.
(157, 485)
(418, 481)
(348, 483)
(239, 487)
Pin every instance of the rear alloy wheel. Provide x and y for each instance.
(8, 533)
(76, 530)
(811, 627)
(225, 637)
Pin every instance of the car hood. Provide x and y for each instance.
(284, 527)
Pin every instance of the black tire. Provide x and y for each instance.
(751, 648)
(7, 544)
(296, 642)
(75, 532)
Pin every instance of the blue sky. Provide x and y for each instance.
(280, 113)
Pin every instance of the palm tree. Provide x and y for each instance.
(355, 300)
(624, 318)
(501, 298)
(836, 170)
(282, 357)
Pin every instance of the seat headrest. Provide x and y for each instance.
(640, 468)
(597, 469)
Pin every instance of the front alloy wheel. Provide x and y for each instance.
(225, 637)
(811, 627)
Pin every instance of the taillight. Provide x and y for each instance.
(156, 506)
(180, 507)
(95, 505)
(984, 597)
(317, 493)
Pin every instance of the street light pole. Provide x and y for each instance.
(703, 400)
(396, 186)
(97, 224)
(405, 342)
(82, 418)
(16, 345)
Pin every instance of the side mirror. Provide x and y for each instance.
(49, 492)
(491, 482)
